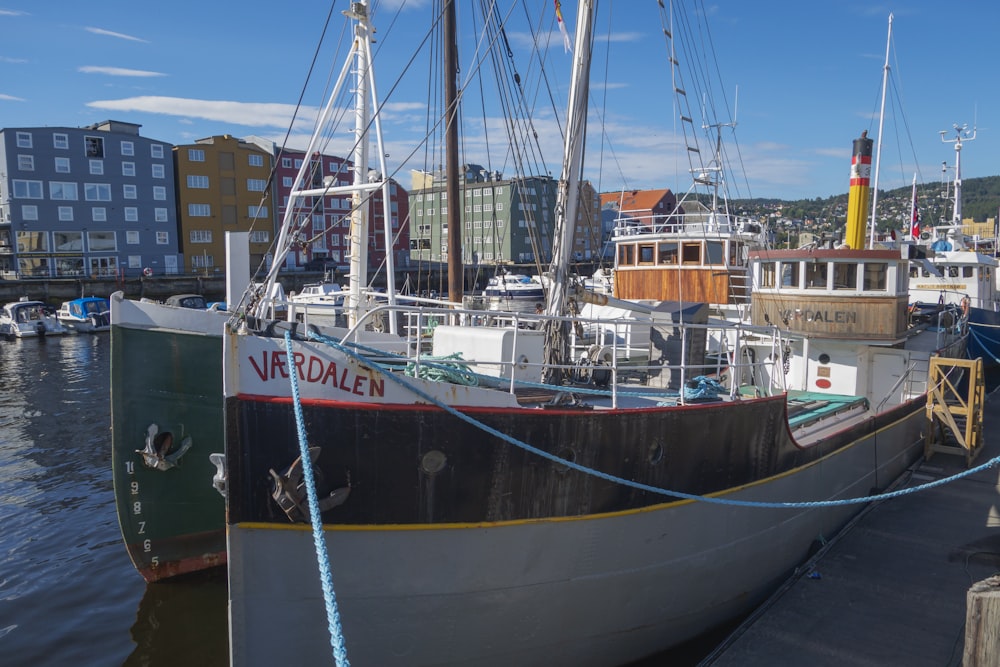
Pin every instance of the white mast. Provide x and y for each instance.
(360, 189)
(961, 134)
(568, 195)
(878, 146)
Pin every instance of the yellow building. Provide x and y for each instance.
(222, 186)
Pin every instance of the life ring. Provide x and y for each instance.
(147, 272)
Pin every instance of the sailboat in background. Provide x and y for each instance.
(465, 511)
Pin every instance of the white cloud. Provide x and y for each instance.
(249, 114)
(109, 33)
(12, 12)
(117, 71)
(11, 98)
(13, 61)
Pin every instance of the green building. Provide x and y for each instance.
(504, 221)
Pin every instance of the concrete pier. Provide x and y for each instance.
(891, 589)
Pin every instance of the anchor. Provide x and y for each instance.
(289, 490)
(157, 454)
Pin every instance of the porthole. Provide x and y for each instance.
(433, 461)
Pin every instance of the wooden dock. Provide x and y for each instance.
(892, 588)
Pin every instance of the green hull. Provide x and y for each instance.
(172, 518)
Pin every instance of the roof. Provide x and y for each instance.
(637, 200)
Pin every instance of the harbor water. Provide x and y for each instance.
(68, 593)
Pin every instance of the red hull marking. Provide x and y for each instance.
(316, 370)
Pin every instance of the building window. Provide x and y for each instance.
(60, 191)
(60, 141)
(286, 181)
(26, 162)
(159, 193)
(198, 182)
(131, 214)
(196, 155)
(131, 237)
(29, 212)
(94, 147)
(65, 214)
(102, 241)
(298, 163)
(27, 189)
(99, 214)
(156, 150)
(286, 163)
(160, 214)
(62, 165)
(129, 191)
(255, 160)
(97, 167)
(202, 261)
(260, 236)
(256, 184)
(97, 192)
(24, 139)
(128, 148)
(162, 238)
(199, 210)
(128, 168)
(134, 261)
(158, 171)
(201, 236)
(257, 211)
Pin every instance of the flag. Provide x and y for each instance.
(914, 212)
(562, 28)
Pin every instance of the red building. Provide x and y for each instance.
(324, 223)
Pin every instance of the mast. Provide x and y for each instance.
(961, 134)
(456, 267)
(360, 59)
(568, 193)
(878, 148)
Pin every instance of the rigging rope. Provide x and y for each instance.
(322, 557)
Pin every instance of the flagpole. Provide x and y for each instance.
(914, 215)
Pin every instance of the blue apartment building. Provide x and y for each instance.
(91, 201)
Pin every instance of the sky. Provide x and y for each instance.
(802, 81)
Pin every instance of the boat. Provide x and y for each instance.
(318, 303)
(88, 314)
(167, 434)
(507, 286)
(472, 502)
(958, 271)
(27, 318)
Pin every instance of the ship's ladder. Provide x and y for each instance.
(955, 413)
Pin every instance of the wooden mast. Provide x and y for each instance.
(456, 268)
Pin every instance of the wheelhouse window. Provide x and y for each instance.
(715, 253)
(667, 252)
(767, 274)
(691, 253)
(790, 274)
(816, 275)
(845, 276)
(626, 255)
(646, 253)
(875, 276)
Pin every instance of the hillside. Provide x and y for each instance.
(980, 200)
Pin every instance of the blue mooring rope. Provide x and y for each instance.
(322, 557)
(627, 482)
